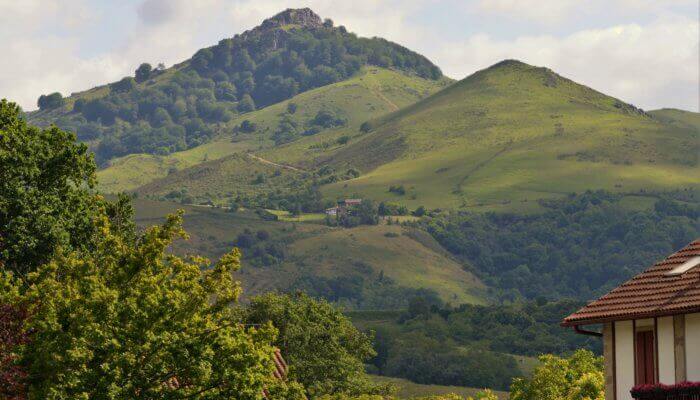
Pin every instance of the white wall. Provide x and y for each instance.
(624, 359)
(667, 362)
(692, 346)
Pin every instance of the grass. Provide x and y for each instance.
(304, 217)
(409, 390)
(407, 261)
(526, 364)
(680, 118)
(499, 140)
(512, 134)
(373, 92)
(410, 259)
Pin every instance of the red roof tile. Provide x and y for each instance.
(653, 293)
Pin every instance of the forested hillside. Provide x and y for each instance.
(160, 111)
(580, 247)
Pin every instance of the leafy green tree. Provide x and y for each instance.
(246, 104)
(324, 350)
(45, 192)
(50, 101)
(78, 105)
(579, 377)
(226, 91)
(127, 320)
(124, 85)
(143, 72)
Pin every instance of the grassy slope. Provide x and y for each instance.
(680, 118)
(407, 259)
(370, 94)
(409, 390)
(412, 260)
(512, 134)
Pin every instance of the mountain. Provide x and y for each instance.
(511, 134)
(501, 139)
(370, 93)
(161, 111)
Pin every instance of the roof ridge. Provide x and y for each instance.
(650, 293)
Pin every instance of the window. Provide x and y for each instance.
(645, 363)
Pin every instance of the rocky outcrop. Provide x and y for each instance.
(269, 31)
(300, 16)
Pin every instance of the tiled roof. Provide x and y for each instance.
(653, 293)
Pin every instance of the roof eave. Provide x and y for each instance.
(629, 317)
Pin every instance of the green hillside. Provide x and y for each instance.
(161, 111)
(511, 134)
(367, 266)
(410, 390)
(370, 94)
(682, 119)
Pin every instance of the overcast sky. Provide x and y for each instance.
(642, 51)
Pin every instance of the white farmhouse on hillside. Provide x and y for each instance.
(651, 330)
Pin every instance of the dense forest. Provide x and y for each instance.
(580, 247)
(471, 345)
(159, 111)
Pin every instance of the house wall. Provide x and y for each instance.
(678, 356)
(624, 359)
(667, 360)
(692, 347)
(609, 357)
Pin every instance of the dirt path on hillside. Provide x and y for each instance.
(268, 162)
(379, 94)
(480, 165)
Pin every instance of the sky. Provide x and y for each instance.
(645, 52)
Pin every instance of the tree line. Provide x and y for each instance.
(580, 247)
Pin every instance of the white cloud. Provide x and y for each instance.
(652, 61)
(639, 64)
(537, 10)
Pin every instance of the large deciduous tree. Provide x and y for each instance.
(46, 200)
(127, 320)
(324, 350)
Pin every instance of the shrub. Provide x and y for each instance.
(50, 101)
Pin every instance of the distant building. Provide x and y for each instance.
(343, 206)
(651, 330)
(333, 211)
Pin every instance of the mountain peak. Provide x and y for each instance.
(509, 63)
(294, 16)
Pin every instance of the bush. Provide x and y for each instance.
(397, 189)
(50, 101)
(143, 72)
(246, 104)
(247, 126)
(579, 377)
(124, 85)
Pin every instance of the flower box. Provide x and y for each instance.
(659, 391)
